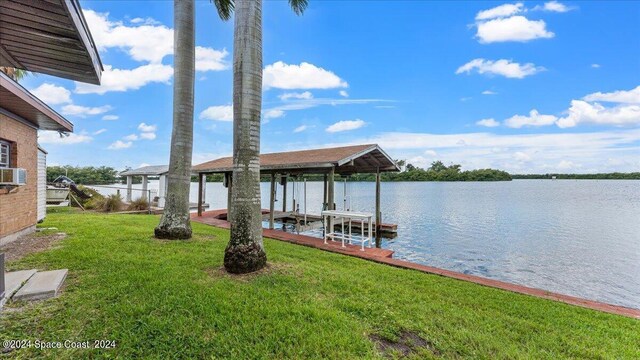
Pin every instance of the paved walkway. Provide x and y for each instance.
(383, 256)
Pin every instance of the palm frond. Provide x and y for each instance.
(15, 74)
(298, 6)
(225, 8)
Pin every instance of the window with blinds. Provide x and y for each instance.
(5, 154)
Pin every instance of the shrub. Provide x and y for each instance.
(90, 203)
(110, 203)
(138, 204)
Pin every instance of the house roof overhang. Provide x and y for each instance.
(49, 37)
(21, 103)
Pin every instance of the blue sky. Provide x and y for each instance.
(525, 87)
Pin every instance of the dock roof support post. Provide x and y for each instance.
(229, 176)
(145, 183)
(331, 189)
(378, 213)
(129, 186)
(162, 190)
(330, 197)
(324, 193)
(204, 190)
(272, 199)
(284, 193)
(201, 178)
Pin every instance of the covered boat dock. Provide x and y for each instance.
(328, 162)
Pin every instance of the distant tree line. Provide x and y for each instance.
(88, 175)
(438, 171)
(602, 176)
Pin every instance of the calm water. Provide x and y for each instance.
(580, 238)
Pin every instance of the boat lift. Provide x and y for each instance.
(349, 216)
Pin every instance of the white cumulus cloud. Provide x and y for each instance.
(582, 112)
(53, 137)
(148, 135)
(502, 67)
(304, 76)
(52, 94)
(343, 93)
(295, 95)
(300, 128)
(534, 119)
(143, 43)
(500, 11)
(218, 113)
(208, 59)
(590, 110)
(132, 137)
(147, 128)
(110, 117)
(515, 28)
(345, 125)
(119, 144)
(84, 111)
(488, 122)
(272, 114)
(127, 79)
(521, 156)
(621, 96)
(553, 6)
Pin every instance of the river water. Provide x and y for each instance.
(580, 238)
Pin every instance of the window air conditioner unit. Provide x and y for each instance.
(13, 176)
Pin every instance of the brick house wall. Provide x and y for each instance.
(18, 207)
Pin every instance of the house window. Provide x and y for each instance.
(5, 154)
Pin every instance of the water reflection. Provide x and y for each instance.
(580, 238)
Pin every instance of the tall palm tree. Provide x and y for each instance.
(175, 223)
(245, 252)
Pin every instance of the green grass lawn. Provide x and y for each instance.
(169, 299)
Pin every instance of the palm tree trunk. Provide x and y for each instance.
(175, 223)
(245, 252)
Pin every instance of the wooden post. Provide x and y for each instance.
(229, 192)
(284, 194)
(324, 193)
(272, 200)
(378, 213)
(200, 192)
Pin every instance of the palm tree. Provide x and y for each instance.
(175, 223)
(245, 252)
(15, 74)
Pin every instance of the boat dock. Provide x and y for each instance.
(218, 218)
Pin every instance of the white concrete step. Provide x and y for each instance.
(42, 285)
(14, 280)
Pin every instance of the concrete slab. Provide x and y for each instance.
(42, 285)
(15, 279)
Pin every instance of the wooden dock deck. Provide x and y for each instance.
(218, 218)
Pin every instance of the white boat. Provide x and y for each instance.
(56, 195)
